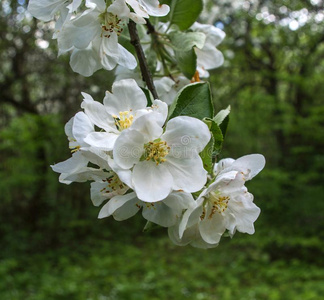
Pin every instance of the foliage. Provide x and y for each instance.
(270, 268)
(271, 73)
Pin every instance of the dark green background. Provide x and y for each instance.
(52, 246)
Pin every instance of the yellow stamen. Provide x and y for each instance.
(156, 151)
(111, 23)
(124, 120)
(114, 184)
(219, 203)
(75, 149)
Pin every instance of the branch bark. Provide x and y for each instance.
(135, 41)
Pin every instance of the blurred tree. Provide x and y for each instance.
(273, 79)
(38, 94)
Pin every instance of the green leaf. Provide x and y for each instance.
(185, 12)
(184, 41)
(207, 156)
(224, 126)
(217, 135)
(194, 100)
(148, 96)
(222, 119)
(187, 62)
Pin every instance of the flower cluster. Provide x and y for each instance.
(153, 144)
(91, 35)
(141, 160)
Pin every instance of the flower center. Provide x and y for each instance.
(219, 203)
(156, 151)
(115, 186)
(111, 23)
(124, 120)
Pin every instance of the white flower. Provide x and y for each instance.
(209, 57)
(93, 38)
(146, 8)
(224, 205)
(164, 213)
(121, 108)
(162, 162)
(167, 89)
(45, 10)
(76, 168)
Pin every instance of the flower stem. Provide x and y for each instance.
(135, 41)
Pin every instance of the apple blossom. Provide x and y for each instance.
(162, 162)
(208, 57)
(121, 108)
(224, 205)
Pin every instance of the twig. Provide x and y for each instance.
(135, 41)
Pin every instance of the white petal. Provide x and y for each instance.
(115, 203)
(212, 229)
(151, 182)
(126, 96)
(73, 164)
(124, 175)
(82, 126)
(85, 62)
(179, 201)
(102, 140)
(186, 136)
(139, 10)
(44, 10)
(119, 8)
(159, 213)
(209, 58)
(125, 58)
(97, 197)
(162, 108)
(222, 164)
(68, 128)
(128, 149)
(190, 218)
(136, 18)
(129, 209)
(154, 8)
(165, 89)
(109, 53)
(246, 213)
(98, 116)
(188, 174)
(251, 164)
(97, 157)
(83, 175)
(214, 35)
(149, 125)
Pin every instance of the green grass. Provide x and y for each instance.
(263, 266)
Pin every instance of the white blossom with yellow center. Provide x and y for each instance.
(224, 205)
(161, 162)
(93, 37)
(119, 110)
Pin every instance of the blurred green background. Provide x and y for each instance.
(52, 246)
